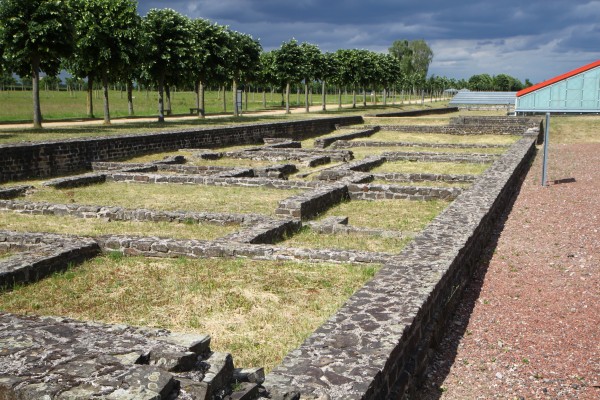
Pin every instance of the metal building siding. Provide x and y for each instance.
(577, 93)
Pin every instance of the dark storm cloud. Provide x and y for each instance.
(503, 31)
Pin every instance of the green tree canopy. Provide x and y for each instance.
(36, 35)
(167, 43)
(243, 61)
(288, 66)
(311, 64)
(107, 39)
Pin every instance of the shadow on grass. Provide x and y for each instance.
(447, 350)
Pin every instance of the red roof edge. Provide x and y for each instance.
(558, 78)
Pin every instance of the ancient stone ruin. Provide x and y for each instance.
(375, 346)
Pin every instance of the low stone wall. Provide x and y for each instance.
(210, 180)
(339, 225)
(321, 143)
(377, 345)
(33, 160)
(416, 113)
(391, 192)
(475, 158)
(523, 122)
(267, 232)
(92, 360)
(264, 154)
(76, 181)
(14, 191)
(491, 129)
(40, 259)
(173, 248)
(346, 144)
(398, 177)
(311, 203)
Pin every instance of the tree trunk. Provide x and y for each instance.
(306, 105)
(161, 102)
(246, 99)
(364, 96)
(353, 97)
(168, 97)
(224, 100)
(197, 93)
(384, 97)
(105, 92)
(264, 98)
(130, 97)
(287, 98)
(324, 94)
(340, 98)
(236, 111)
(200, 99)
(297, 95)
(37, 111)
(90, 97)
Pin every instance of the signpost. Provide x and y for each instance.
(545, 161)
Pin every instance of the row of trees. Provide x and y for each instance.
(107, 42)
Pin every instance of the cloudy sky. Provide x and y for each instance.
(535, 39)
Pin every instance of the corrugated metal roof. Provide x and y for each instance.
(558, 78)
(484, 98)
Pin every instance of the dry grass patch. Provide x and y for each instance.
(398, 215)
(394, 136)
(574, 129)
(257, 310)
(362, 152)
(308, 238)
(423, 183)
(170, 197)
(416, 167)
(97, 227)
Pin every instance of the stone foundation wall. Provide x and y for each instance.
(311, 203)
(346, 144)
(40, 257)
(92, 360)
(392, 192)
(416, 113)
(476, 158)
(21, 161)
(376, 346)
(321, 143)
(210, 180)
(491, 129)
(398, 177)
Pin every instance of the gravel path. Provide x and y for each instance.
(528, 326)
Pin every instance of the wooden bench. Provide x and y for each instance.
(196, 110)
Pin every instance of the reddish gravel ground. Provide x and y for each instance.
(528, 326)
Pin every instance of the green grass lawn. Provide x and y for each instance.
(394, 136)
(308, 238)
(256, 310)
(17, 105)
(65, 224)
(416, 167)
(397, 215)
(169, 197)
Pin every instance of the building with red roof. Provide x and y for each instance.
(577, 91)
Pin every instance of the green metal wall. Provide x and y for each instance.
(579, 93)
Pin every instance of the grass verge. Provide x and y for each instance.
(399, 215)
(169, 197)
(307, 238)
(394, 136)
(416, 167)
(257, 310)
(97, 227)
